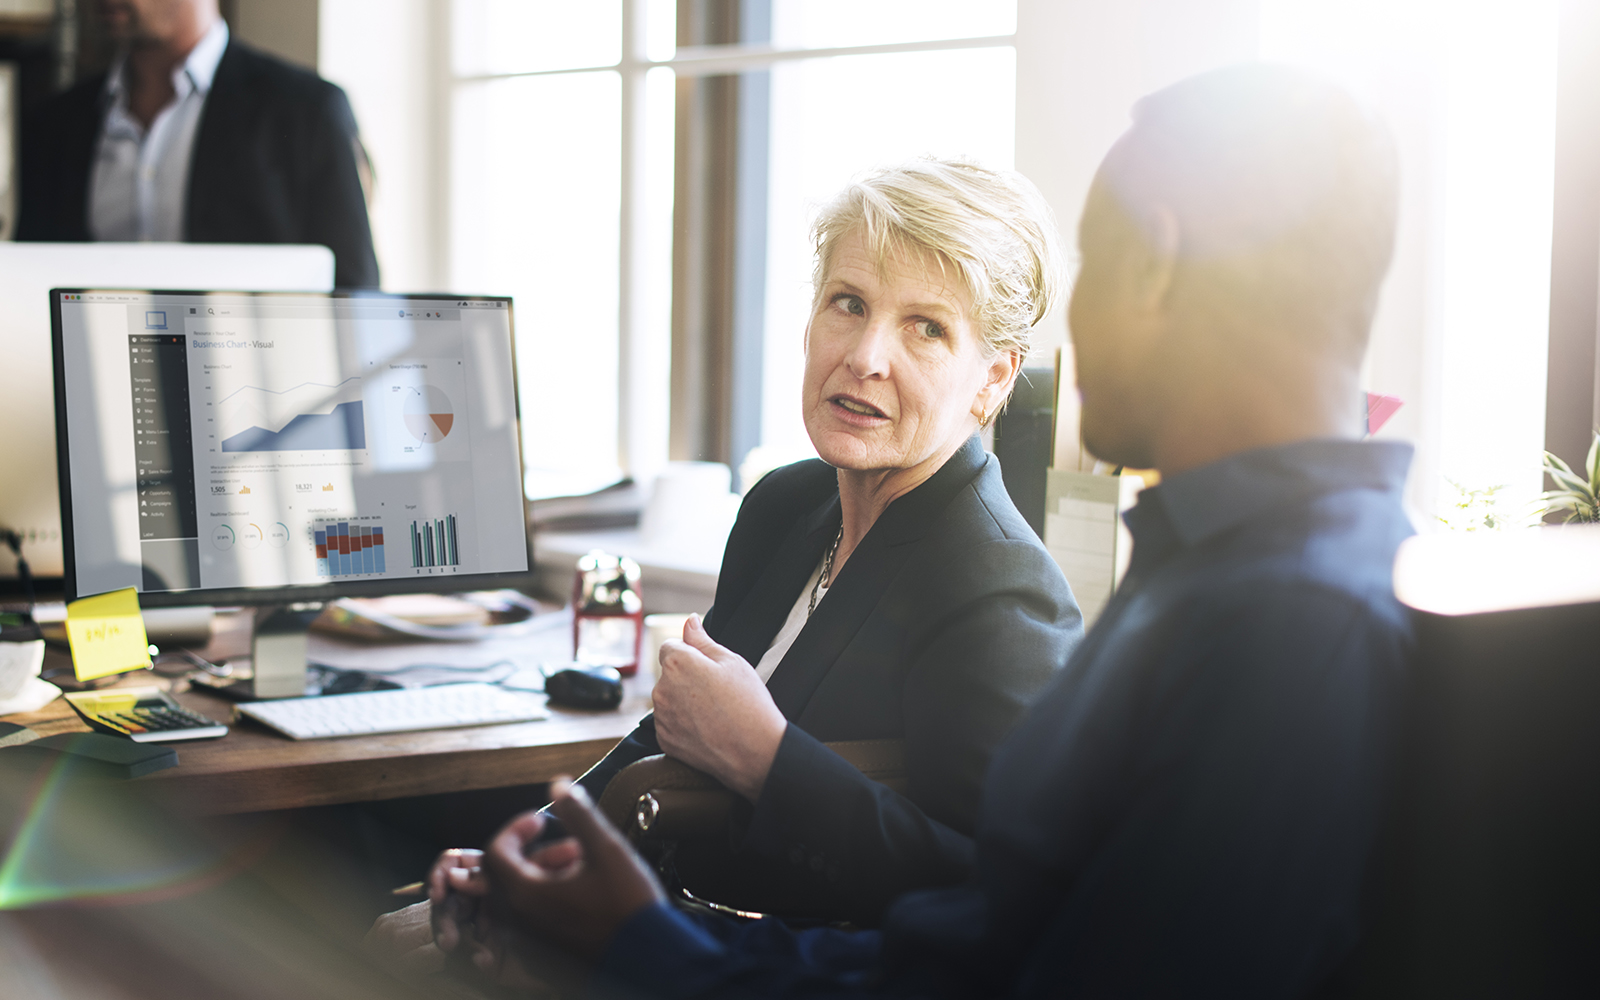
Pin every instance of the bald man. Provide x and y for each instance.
(1190, 808)
(194, 137)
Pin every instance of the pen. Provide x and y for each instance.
(409, 889)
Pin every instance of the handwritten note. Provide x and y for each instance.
(107, 636)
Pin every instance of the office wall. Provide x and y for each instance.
(1572, 413)
(286, 28)
(389, 56)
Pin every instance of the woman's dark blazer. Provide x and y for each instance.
(946, 621)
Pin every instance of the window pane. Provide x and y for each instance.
(660, 29)
(808, 24)
(535, 188)
(524, 36)
(833, 119)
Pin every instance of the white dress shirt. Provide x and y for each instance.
(140, 178)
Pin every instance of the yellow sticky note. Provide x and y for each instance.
(106, 633)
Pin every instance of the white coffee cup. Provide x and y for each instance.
(20, 662)
(658, 629)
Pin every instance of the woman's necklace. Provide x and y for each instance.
(827, 568)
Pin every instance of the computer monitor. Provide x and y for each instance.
(29, 503)
(285, 449)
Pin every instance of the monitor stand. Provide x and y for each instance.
(277, 655)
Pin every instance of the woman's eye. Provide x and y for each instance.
(850, 304)
(928, 328)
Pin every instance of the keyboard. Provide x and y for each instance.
(365, 713)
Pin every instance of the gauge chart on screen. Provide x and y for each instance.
(423, 401)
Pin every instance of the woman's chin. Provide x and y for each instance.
(847, 450)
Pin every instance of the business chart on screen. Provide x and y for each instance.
(284, 440)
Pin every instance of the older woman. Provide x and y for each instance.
(889, 590)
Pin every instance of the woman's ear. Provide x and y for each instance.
(1001, 376)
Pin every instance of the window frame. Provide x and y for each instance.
(645, 389)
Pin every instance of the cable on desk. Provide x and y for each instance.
(13, 541)
(191, 661)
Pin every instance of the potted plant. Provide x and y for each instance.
(1577, 494)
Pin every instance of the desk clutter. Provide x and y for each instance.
(397, 664)
(95, 754)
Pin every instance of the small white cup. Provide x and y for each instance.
(20, 662)
(658, 628)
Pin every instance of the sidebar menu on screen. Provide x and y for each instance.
(162, 446)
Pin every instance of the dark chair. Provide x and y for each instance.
(1488, 883)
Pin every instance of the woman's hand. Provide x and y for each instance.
(713, 712)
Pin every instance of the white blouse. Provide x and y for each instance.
(798, 616)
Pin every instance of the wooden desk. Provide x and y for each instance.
(255, 769)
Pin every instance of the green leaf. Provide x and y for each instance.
(1568, 482)
(1553, 464)
(1592, 462)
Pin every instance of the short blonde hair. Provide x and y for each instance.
(992, 226)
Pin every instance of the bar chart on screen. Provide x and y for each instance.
(349, 549)
(433, 543)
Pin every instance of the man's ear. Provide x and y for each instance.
(1154, 262)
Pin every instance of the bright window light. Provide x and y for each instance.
(661, 29)
(534, 209)
(814, 24)
(1462, 332)
(525, 36)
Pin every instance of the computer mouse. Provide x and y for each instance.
(594, 688)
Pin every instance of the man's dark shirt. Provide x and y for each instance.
(1190, 806)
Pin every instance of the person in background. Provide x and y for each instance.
(1191, 807)
(193, 137)
(889, 590)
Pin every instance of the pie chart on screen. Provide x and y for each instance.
(428, 414)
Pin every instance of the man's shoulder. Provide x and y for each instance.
(81, 99)
(1338, 541)
(266, 76)
(1313, 575)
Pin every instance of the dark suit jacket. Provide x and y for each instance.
(945, 623)
(274, 162)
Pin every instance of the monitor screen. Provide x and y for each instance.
(29, 503)
(257, 447)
